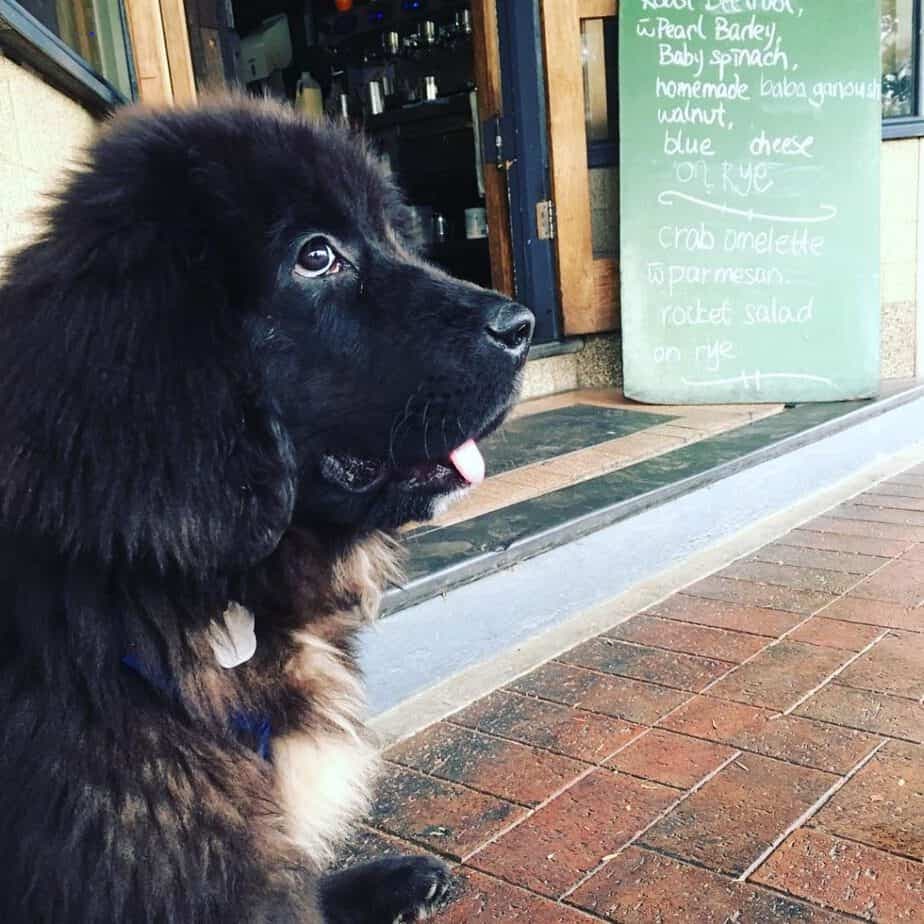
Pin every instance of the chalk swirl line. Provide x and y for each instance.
(669, 195)
(745, 379)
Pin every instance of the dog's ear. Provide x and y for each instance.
(137, 425)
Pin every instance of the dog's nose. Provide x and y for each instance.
(510, 326)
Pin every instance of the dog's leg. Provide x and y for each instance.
(396, 889)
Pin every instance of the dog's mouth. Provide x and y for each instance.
(462, 468)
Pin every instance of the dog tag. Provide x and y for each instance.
(236, 641)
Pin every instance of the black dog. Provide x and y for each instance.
(225, 375)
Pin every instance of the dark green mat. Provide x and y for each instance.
(445, 549)
(544, 436)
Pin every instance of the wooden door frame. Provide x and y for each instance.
(588, 288)
(160, 50)
(486, 50)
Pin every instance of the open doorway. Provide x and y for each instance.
(419, 77)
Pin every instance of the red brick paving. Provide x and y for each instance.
(689, 639)
(763, 731)
(619, 697)
(652, 665)
(367, 844)
(447, 818)
(500, 768)
(780, 675)
(835, 633)
(915, 553)
(897, 501)
(873, 712)
(914, 519)
(895, 665)
(480, 898)
(671, 759)
(861, 544)
(722, 614)
(726, 825)
(877, 613)
(800, 577)
(849, 877)
(643, 887)
(749, 750)
(551, 851)
(904, 479)
(898, 488)
(865, 528)
(582, 735)
(829, 560)
(771, 596)
(899, 581)
(883, 805)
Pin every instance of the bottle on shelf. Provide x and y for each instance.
(308, 98)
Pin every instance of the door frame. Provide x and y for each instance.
(488, 80)
(588, 288)
(525, 146)
(160, 46)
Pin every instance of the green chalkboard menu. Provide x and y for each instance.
(749, 175)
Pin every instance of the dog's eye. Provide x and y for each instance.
(318, 258)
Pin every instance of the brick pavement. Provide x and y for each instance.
(749, 750)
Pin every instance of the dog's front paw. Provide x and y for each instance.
(417, 885)
(394, 890)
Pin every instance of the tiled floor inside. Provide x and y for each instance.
(749, 750)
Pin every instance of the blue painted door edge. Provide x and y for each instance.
(524, 133)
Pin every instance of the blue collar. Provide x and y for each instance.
(255, 729)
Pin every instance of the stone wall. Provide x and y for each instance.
(41, 132)
(899, 267)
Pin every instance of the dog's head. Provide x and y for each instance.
(227, 330)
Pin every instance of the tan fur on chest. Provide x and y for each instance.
(324, 768)
(324, 773)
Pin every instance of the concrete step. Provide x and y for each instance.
(552, 590)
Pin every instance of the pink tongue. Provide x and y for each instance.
(468, 462)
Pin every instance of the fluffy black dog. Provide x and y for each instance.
(225, 376)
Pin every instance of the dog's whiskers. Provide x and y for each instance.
(391, 439)
(396, 428)
(426, 423)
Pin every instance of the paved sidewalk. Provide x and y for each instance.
(749, 750)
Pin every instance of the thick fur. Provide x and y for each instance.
(181, 407)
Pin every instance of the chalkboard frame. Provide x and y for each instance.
(849, 305)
